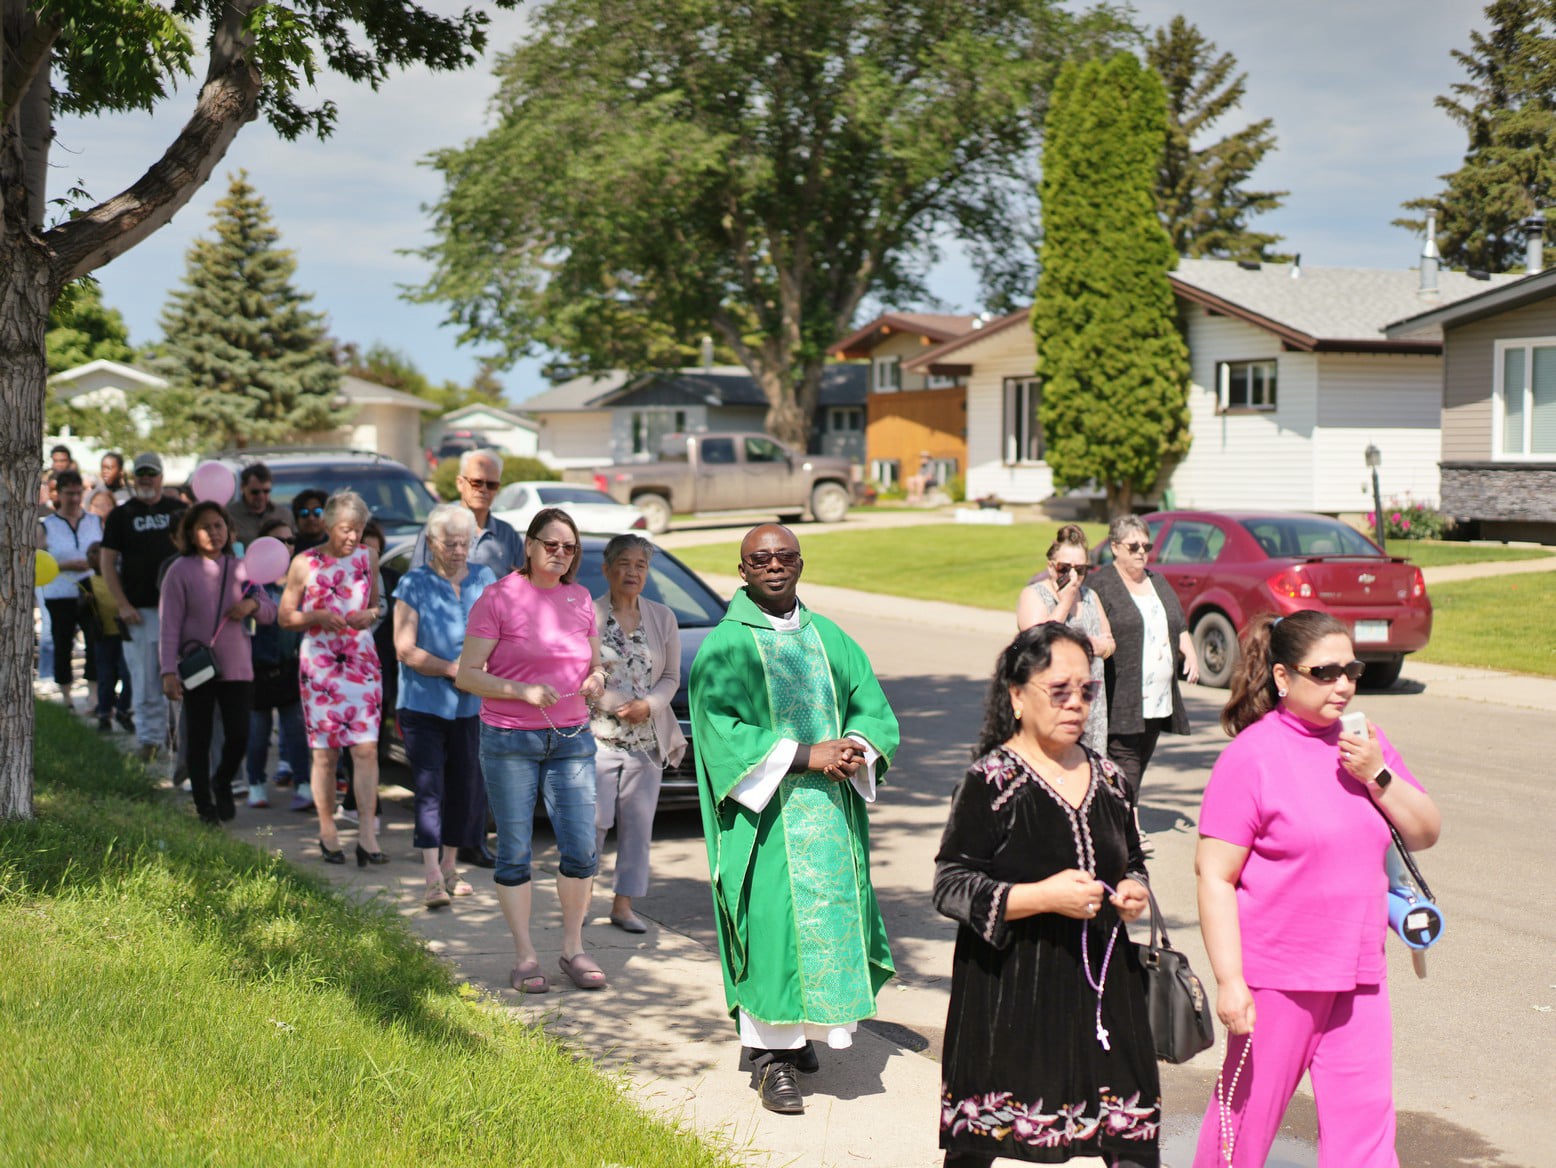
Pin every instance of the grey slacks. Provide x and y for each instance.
(626, 794)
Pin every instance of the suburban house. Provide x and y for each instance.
(594, 421)
(1292, 378)
(910, 413)
(1498, 452)
(507, 431)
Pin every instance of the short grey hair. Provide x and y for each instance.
(448, 519)
(626, 542)
(1126, 525)
(346, 505)
(470, 456)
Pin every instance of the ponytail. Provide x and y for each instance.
(1268, 640)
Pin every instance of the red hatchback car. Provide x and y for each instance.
(1229, 566)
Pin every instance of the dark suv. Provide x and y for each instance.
(397, 498)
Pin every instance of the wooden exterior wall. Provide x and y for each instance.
(901, 425)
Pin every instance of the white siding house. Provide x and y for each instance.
(508, 431)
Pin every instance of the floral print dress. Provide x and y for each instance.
(342, 683)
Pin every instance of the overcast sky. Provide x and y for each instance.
(1349, 83)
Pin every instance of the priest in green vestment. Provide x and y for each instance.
(791, 733)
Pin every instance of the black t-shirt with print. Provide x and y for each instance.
(142, 534)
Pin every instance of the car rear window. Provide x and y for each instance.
(1303, 535)
(669, 582)
(392, 493)
(562, 496)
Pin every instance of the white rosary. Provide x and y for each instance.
(1224, 1100)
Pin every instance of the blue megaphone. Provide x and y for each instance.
(1413, 915)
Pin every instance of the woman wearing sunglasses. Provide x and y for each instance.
(1292, 898)
(1152, 649)
(532, 655)
(1048, 1052)
(1063, 597)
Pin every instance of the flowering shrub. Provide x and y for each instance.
(1407, 518)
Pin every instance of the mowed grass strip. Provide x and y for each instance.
(1498, 622)
(172, 996)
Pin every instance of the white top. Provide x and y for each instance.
(67, 544)
(1156, 656)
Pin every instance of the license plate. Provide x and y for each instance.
(1372, 631)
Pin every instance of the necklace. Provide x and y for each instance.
(1224, 1101)
(1098, 982)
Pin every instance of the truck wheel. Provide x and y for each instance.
(829, 503)
(656, 512)
(1215, 642)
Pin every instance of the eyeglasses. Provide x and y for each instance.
(787, 557)
(454, 545)
(484, 484)
(304, 512)
(1137, 548)
(1332, 671)
(1060, 695)
(1062, 571)
(558, 546)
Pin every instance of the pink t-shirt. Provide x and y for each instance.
(1311, 897)
(542, 637)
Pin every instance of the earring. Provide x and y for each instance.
(1018, 713)
(1280, 693)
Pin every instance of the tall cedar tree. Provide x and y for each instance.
(98, 57)
(1508, 111)
(1201, 190)
(662, 169)
(254, 364)
(1113, 366)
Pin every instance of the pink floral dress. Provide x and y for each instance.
(343, 692)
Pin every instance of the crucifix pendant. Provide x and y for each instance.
(1102, 1036)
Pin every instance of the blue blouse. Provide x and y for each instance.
(441, 616)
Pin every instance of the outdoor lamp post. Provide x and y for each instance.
(1374, 458)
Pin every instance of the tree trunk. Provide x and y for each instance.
(1121, 499)
(25, 296)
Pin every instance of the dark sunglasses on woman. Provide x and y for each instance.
(1331, 672)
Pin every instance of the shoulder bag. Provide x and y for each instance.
(1175, 999)
(196, 660)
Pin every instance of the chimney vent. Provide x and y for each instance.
(1431, 258)
(1534, 242)
(1296, 266)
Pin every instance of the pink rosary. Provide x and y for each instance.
(1100, 980)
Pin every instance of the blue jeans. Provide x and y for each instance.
(291, 745)
(521, 764)
(113, 672)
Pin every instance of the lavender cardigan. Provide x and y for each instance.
(190, 608)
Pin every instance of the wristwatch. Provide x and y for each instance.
(1382, 779)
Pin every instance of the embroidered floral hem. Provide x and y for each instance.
(999, 1116)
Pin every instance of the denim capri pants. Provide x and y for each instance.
(519, 766)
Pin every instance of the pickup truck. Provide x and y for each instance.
(727, 472)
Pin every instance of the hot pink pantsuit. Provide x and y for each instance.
(1311, 911)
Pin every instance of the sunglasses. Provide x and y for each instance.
(558, 546)
(1137, 548)
(762, 559)
(1331, 672)
(256, 490)
(1062, 571)
(147, 474)
(1060, 695)
(288, 540)
(304, 512)
(484, 484)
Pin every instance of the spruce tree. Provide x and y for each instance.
(1114, 368)
(249, 360)
(1508, 110)
(1201, 190)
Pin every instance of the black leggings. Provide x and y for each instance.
(1131, 753)
(234, 700)
(63, 623)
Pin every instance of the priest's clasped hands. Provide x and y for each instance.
(837, 758)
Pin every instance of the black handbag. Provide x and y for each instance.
(1175, 999)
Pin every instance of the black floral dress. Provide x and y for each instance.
(1025, 1075)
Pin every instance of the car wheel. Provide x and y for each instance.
(1215, 641)
(1382, 674)
(829, 503)
(656, 512)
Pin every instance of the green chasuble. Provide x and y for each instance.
(800, 933)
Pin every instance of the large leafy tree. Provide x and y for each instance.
(83, 329)
(660, 169)
(112, 56)
(1114, 367)
(255, 364)
(1508, 110)
(1202, 189)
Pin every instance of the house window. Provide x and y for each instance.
(650, 427)
(1525, 407)
(1246, 385)
(942, 381)
(1023, 432)
(845, 419)
(888, 374)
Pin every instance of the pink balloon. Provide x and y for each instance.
(213, 481)
(266, 560)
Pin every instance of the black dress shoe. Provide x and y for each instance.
(479, 857)
(779, 1088)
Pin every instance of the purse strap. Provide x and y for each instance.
(1158, 928)
(1404, 854)
(221, 599)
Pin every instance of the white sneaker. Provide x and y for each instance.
(257, 795)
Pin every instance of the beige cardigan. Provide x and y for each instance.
(663, 636)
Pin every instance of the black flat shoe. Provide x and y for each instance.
(365, 857)
(338, 856)
(477, 857)
(208, 817)
(779, 1088)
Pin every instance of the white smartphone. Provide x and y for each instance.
(1354, 722)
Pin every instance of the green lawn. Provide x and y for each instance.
(172, 996)
(1500, 622)
(985, 566)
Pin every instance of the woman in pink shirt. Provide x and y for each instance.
(1292, 898)
(532, 655)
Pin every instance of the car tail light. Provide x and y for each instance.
(640, 523)
(602, 483)
(1291, 582)
(1418, 586)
